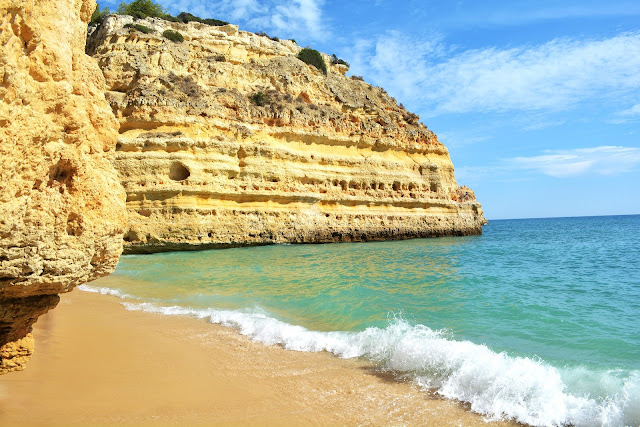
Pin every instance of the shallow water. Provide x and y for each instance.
(535, 320)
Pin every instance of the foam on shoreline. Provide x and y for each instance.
(494, 384)
(134, 367)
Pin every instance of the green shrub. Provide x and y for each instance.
(260, 99)
(313, 57)
(141, 9)
(98, 15)
(174, 36)
(294, 40)
(185, 18)
(141, 28)
(358, 78)
(335, 61)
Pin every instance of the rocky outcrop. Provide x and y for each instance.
(207, 162)
(62, 213)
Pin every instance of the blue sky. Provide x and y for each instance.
(537, 101)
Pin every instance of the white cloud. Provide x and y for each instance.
(625, 116)
(284, 18)
(554, 76)
(294, 17)
(539, 125)
(471, 175)
(460, 138)
(517, 13)
(604, 160)
(631, 112)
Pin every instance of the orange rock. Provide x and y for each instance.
(62, 213)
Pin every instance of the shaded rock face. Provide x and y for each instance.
(62, 213)
(17, 316)
(323, 158)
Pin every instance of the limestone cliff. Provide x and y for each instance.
(321, 158)
(62, 213)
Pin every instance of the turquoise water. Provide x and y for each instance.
(536, 320)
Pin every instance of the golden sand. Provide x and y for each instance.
(97, 363)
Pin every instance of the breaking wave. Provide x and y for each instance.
(495, 384)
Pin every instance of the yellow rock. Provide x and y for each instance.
(62, 213)
(15, 355)
(320, 158)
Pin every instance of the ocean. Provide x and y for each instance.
(537, 320)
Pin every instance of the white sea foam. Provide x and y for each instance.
(105, 291)
(495, 384)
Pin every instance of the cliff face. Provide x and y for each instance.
(324, 159)
(62, 213)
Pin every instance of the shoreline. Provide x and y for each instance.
(97, 363)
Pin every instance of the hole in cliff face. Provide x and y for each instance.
(304, 97)
(131, 236)
(241, 154)
(179, 172)
(434, 187)
(62, 172)
(396, 185)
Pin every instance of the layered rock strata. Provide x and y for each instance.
(229, 139)
(62, 212)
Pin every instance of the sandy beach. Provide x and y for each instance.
(97, 363)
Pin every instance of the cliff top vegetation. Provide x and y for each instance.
(141, 9)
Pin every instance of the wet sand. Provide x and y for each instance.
(97, 363)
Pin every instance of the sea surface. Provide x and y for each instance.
(537, 320)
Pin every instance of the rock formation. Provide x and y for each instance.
(62, 212)
(207, 161)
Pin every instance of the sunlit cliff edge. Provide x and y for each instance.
(326, 158)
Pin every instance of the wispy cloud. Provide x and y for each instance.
(554, 76)
(284, 18)
(625, 116)
(460, 138)
(295, 17)
(544, 124)
(631, 112)
(518, 13)
(604, 160)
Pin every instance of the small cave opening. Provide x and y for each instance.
(62, 172)
(179, 172)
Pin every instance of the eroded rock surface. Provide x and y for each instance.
(62, 213)
(327, 158)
